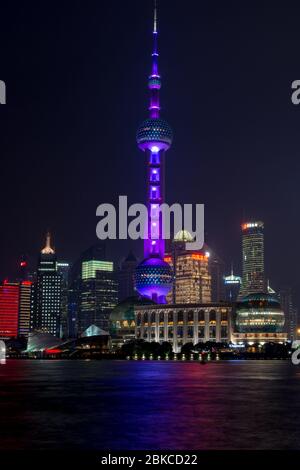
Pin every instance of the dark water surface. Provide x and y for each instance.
(149, 405)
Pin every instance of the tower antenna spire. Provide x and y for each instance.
(155, 17)
(154, 82)
(48, 250)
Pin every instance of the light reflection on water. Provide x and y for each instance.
(149, 405)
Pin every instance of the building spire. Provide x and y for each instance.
(154, 83)
(48, 250)
(155, 18)
(155, 49)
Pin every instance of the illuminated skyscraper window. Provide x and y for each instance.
(253, 278)
(47, 313)
(9, 309)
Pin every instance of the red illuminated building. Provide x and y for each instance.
(9, 309)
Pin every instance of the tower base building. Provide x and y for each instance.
(184, 323)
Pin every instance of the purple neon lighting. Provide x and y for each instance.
(154, 156)
(154, 276)
(154, 87)
(155, 244)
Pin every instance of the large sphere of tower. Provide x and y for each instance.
(154, 133)
(153, 278)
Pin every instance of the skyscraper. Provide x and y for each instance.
(192, 281)
(48, 293)
(16, 308)
(253, 278)
(93, 291)
(153, 277)
(216, 268)
(232, 286)
(98, 294)
(26, 307)
(63, 269)
(290, 313)
(9, 309)
(126, 277)
(96, 252)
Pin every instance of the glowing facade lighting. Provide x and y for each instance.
(48, 250)
(46, 316)
(89, 268)
(9, 309)
(253, 277)
(199, 257)
(2, 351)
(191, 276)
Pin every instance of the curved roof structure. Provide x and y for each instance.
(183, 236)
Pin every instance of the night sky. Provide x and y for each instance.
(76, 76)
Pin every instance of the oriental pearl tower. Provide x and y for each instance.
(153, 276)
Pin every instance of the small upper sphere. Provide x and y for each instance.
(154, 133)
(154, 83)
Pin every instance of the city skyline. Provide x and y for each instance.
(186, 339)
(209, 132)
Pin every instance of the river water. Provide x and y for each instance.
(149, 405)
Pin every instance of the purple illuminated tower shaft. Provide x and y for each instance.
(153, 277)
(155, 243)
(155, 137)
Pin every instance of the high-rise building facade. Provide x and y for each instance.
(73, 307)
(9, 309)
(232, 285)
(216, 268)
(253, 278)
(26, 307)
(63, 269)
(95, 252)
(290, 313)
(153, 277)
(192, 281)
(16, 308)
(48, 293)
(126, 277)
(98, 294)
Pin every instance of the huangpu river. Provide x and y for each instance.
(149, 405)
